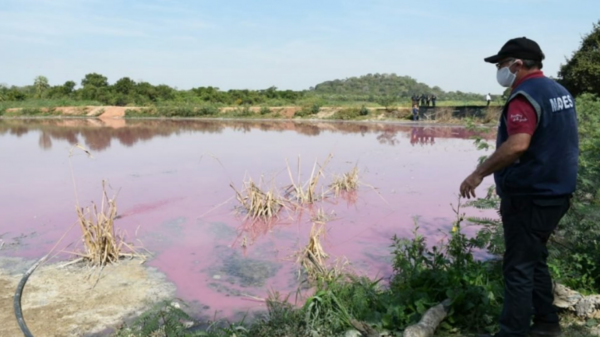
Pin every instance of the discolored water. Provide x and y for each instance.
(175, 198)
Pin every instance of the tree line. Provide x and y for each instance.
(125, 91)
(580, 73)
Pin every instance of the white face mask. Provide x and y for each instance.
(505, 77)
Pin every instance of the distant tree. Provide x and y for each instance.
(13, 94)
(147, 91)
(581, 73)
(124, 86)
(3, 93)
(165, 92)
(94, 80)
(387, 102)
(41, 85)
(68, 87)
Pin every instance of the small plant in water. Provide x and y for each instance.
(347, 182)
(257, 203)
(306, 193)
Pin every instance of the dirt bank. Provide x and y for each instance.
(112, 112)
(64, 301)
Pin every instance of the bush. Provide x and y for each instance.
(243, 111)
(265, 110)
(387, 102)
(30, 111)
(364, 111)
(575, 252)
(425, 277)
(347, 114)
(208, 110)
(581, 74)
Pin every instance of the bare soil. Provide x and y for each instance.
(67, 301)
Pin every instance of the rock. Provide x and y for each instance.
(188, 324)
(565, 297)
(429, 322)
(585, 307)
(352, 333)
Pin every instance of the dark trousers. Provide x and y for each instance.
(528, 223)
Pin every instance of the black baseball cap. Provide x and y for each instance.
(521, 48)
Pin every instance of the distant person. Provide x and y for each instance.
(415, 99)
(488, 98)
(422, 99)
(428, 99)
(415, 112)
(433, 99)
(535, 171)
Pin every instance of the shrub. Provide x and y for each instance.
(364, 111)
(208, 110)
(265, 110)
(387, 102)
(243, 111)
(425, 277)
(346, 114)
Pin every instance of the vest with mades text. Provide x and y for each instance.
(549, 166)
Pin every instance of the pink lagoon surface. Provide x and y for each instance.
(173, 178)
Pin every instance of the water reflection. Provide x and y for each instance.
(98, 134)
(422, 136)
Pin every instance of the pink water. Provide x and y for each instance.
(174, 196)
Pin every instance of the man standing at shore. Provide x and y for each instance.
(535, 171)
(488, 98)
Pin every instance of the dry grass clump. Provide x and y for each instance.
(306, 193)
(257, 203)
(312, 257)
(103, 245)
(321, 218)
(347, 182)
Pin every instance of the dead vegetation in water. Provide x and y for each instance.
(347, 182)
(312, 257)
(321, 217)
(306, 192)
(102, 243)
(259, 204)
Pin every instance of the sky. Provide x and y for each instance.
(289, 44)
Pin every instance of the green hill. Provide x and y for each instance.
(377, 85)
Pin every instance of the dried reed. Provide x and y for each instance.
(257, 203)
(347, 182)
(306, 193)
(102, 244)
(321, 218)
(312, 257)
